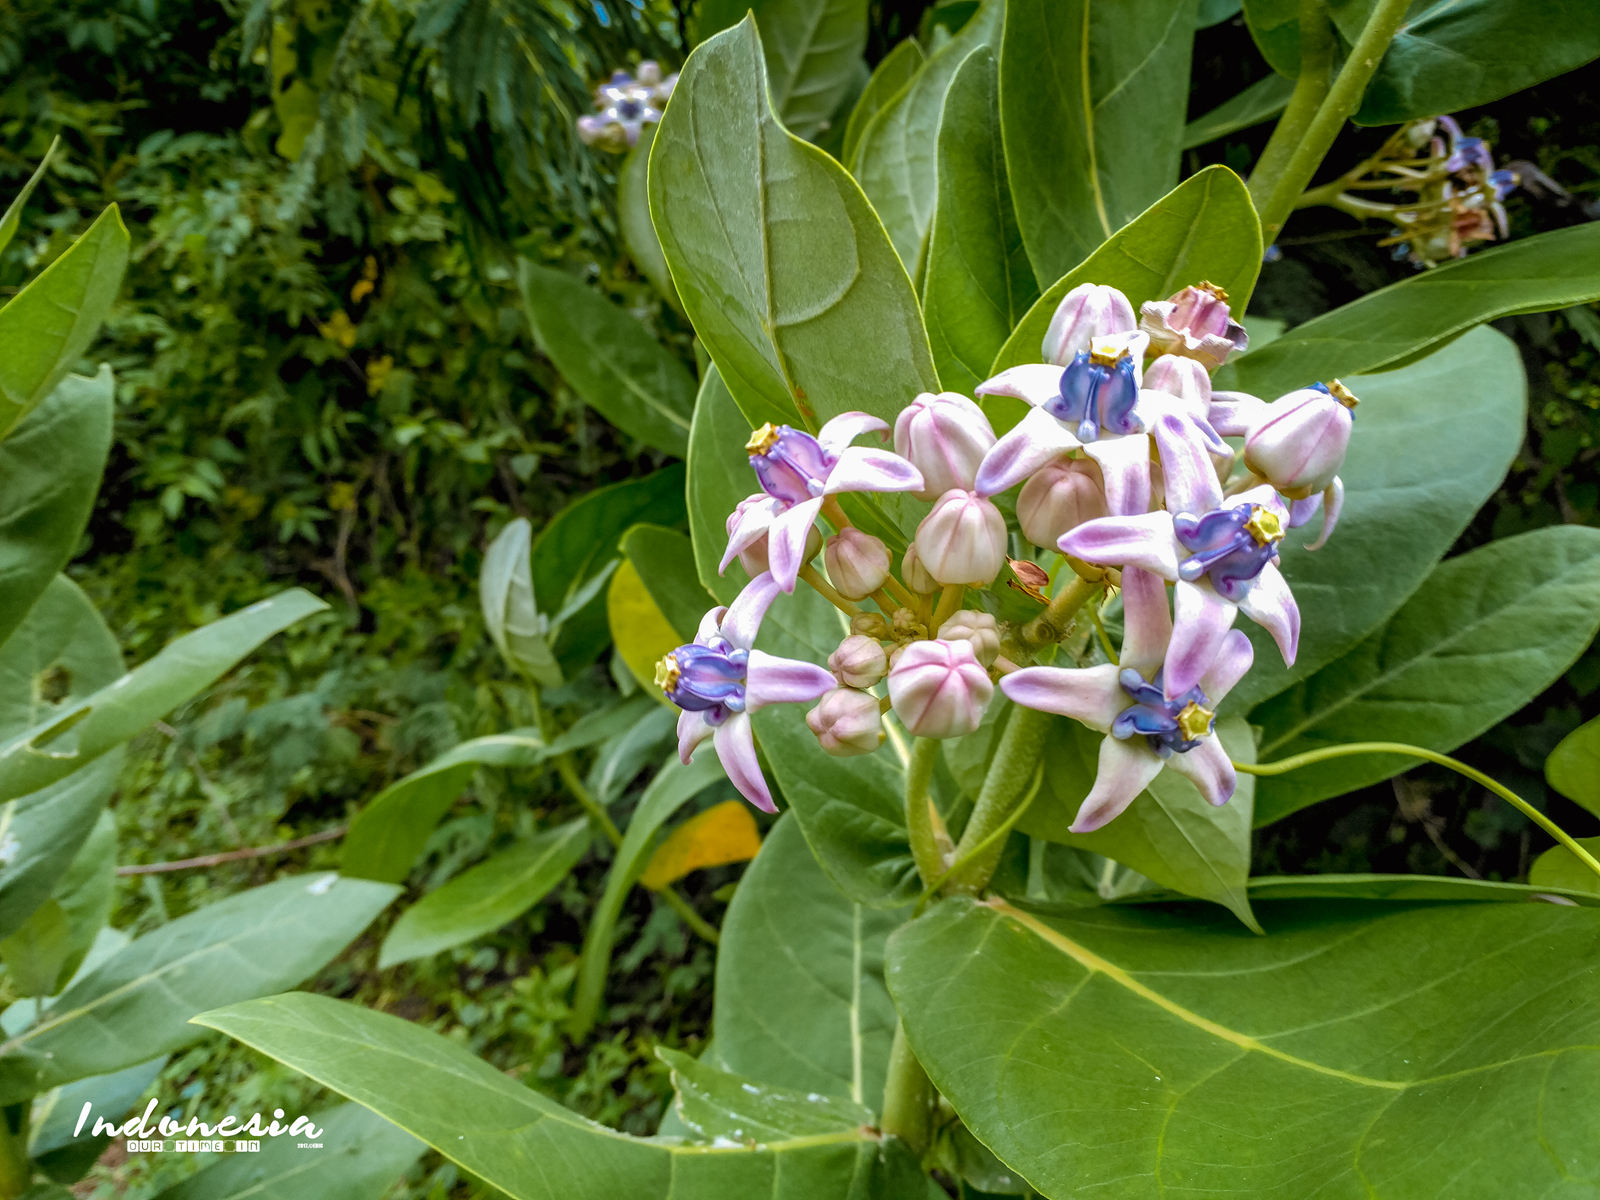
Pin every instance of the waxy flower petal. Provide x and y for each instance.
(1088, 311)
(945, 437)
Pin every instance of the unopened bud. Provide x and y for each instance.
(1298, 443)
(939, 689)
(847, 722)
(945, 436)
(963, 540)
(979, 628)
(859, 662)
(871, 624)
(1058, 497)
(1184, 378)
(1088, 311)
(915, 574)
(858, 563)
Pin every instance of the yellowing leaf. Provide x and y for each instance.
(641, 633)
(725, 833)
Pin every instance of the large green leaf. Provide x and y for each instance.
(1404, 887)
(800, 999)
(896, 159)
(84, 893)
(510, 609)
(13, 214)
(633, 217)
(719, 477)
(1560, 870)
(1364, 1050)
(1109, 82)
(1483, 635)
(892, 74)
(783, 266)
(60, 654)
(1259, 102)
(1403, 509)
(609, 358)
(480, 900)
(87, 728)
(530, 1146)
(137, 1004)
(65, 1157)
(41, 832)
(1404, 320)
(1573, 767)
(718, 1104)
(979, 282)
(50, 469)
(359, 1157)
(50, 323)
(1204, 229)
(664, 559)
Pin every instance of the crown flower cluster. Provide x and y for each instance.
(1122, 475)
(626, 104)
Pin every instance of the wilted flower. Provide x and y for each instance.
(847, 722)
(963, 540)
(944, 436)
(1195, 324)
(939, 689)
(1088, 311)
(859, 662)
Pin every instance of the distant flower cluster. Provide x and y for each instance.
(627, 103)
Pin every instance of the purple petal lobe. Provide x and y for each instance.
(1035, 383)
(693, 729)
(774, 680)
(1027, 446)
(1143, 541)
(1125, 463)
(1089, 694)
(1231, 665)
(1147, 625)
(1208, 768)
(846, 428)
(1201, 619)
(735, 743)
(1186, 469)
(862, 470)
(743, 618)
(1271, 605)
(1126, 769)
(786, 541)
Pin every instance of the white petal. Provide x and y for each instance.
(1088, 694)
(1126, 769)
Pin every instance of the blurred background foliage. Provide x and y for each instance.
(325, 377)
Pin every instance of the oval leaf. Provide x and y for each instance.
(725, 833)
(511, 610)
(893, 73)
(641, 632)
(719, 477)
(1573, 767)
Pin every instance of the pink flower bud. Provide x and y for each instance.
(945, 437)
(939, 689)
(915, 574)
(857, 562)
(859, 662)
(979, 628)
(1195, 324)
(1060, 496)
(1089, 310)
(963, 540)
(1299, 442)
(1182, 377)
(847, 722)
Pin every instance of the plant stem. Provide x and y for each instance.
(906, 597)
(689, 917)
(949, 605)
(814, 577)
(919, 818)
(1310, 89)
(1343, 98)
(1014, 764)
(908, 1097)
(16, 1171)
(1016, 815)
(1052, 624)
(596, 810)
(1444, 760)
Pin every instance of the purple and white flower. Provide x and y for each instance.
(719, 679)
(1146, 728)
(797, 473)
(1195, 323)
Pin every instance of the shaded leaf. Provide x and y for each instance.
(1562, 870)
(1259, 102)
(725, 833)
(633, 216)
(65, 1157)
(1573, 767)
(84, 893)
(639, 629)
(719, 477)
(664, 559)
(715, 1104)
(41, 833)
(61, 653)
(1409, 888)
(893, 73)
(511, 610)
(13, 214)
(35, 953)
(1275, 28)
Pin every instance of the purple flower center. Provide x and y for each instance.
(1098, 392)
(792, 466)
(629, 109)
(1169, 726)
(1230, 545)
(707, 679)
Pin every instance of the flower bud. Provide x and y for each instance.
(1183, 378)
(871, 624)
(859, 662)
(1088, 311)
(945, 437)
(1195, 324)
(963, 540)
(847, 722)
(979, 628)
(857, 562)
(915, 574)
(1060, 496)
(1299, 443)
(939, 689)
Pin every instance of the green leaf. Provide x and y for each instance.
(1275, 27)
(85, 729)
(1214, 12)
(673, 787)
(1402, 509)
(1405, 320)
(35, 954)
(1411, 888)
(388, 834)
(1259, 102)
(641, 635)
(67, 1158)
(489, 895)
(85, 892)
(1573, 767)
(800, 1000)
(892, 74)
(1170, 833)
(715, 1104)
(1362, 1050)
(50, 469)
(60, 654)
(633, 217)
(979, 281)
(1204, 229)
(530, 1146)
(511, 610)
(50, 323)
(1456, 54)
(782, 265)
(719, 477)
(1110, 84)
(137, 1004)
(1483, 635)
(1560, 869)
(13, 215)
(665, 561)
(41, 833)
(361, 1156)
(896, 159)
(609, 358)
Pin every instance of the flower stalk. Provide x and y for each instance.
(908, 1097)
(1054, 623)
(919, 809)
(1004, 789)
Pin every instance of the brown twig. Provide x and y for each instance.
(212, 860)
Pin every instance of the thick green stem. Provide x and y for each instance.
(1310, 89)
(1004, 788)
(908, 1097)
(1052, 625)
(831, 594)
(16, 1171)
(1343, 99)
(689, 917)
(596, 810)
(1433, 756)
(919, 814)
